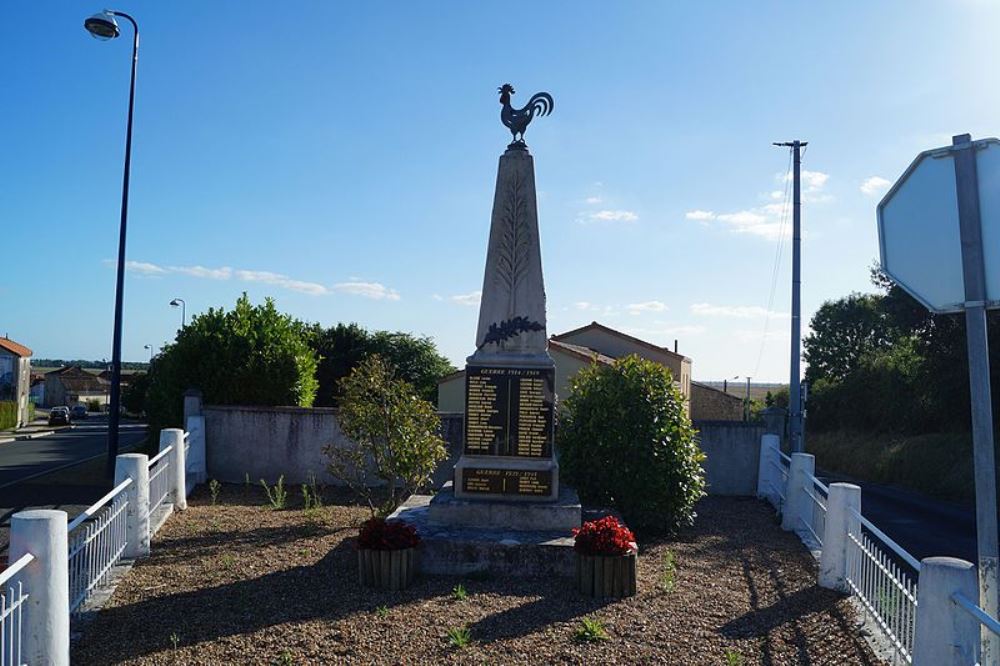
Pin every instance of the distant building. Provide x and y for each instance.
(15, 376)
(576, 349)
(37, 392)
(73, 385)
(711, 404)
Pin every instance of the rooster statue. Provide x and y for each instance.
(517, 119)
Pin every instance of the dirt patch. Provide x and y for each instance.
(240, 583)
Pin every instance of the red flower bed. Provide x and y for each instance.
(607, 536)
(382, 534)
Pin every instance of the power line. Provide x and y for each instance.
(776, 269)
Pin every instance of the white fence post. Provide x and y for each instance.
(945, 634)
(135, 466)
(769, 447)
(45, 623)
(197, 463)
(796, 500)
(841, 503)
(178, 484)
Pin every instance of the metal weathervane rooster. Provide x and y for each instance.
(516, 120)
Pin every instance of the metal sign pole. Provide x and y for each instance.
(973, 271)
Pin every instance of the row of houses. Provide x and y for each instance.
(595, 343)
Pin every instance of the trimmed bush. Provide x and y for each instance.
(8, 415)
(626, 441)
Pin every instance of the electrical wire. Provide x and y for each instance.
(776, 269)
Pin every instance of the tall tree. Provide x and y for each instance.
(341, 348)
(843, 333)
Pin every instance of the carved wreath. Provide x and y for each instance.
(505, 330)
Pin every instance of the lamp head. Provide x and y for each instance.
(102, 26)
(176, 302)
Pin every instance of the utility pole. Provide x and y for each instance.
(794, 388)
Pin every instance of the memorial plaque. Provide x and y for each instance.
(508, 411)
(507, 481)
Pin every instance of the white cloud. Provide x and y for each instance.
(373, 290)
(777, 194)
(593, 201)
(470, 299)
(279, 280)
(141, 267)
(582, 305)
(438, 297)
(813, 180)
(354, 286)
(734, 311)
(875, 185)
(700, 215)
(646, 306)
(610, 216)
(223, 273)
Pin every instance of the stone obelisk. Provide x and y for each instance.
(510, 379)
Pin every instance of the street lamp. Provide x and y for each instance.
(183, 305)
(746, 402)
(150, 348)
(103, 26)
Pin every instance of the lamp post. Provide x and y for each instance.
(150, 348)
(183, 305)
(103, 26)
(746, 401)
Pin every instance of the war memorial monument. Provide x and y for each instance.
(505, 510)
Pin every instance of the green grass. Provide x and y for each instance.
(459, 593)
(939, 464)
(733, 658)
(459, 637)
(590, 630)
(668, 577)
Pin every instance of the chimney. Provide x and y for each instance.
(675, 345)
(725, 386)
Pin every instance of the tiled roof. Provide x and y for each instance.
(580, 351)
(14, 348)
(624, 336)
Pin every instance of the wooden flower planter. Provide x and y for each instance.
(611, 576)
(387, 569)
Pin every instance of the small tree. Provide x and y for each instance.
(625, 440)
(395, 433)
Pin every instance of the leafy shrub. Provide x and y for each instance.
(279, 497)
(93, 405)
(607, 536)
(626, 441)
(395, 432)
(250, 355)
(382, 534)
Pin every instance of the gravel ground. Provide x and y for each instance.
(240, 583)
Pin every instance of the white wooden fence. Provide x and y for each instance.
(57, 566)
(857, 558)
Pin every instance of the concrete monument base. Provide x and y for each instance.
(560, 515)
(459, 550)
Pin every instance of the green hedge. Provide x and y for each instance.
(8, 415)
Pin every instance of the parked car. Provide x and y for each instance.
(78, 412)
(59, 416)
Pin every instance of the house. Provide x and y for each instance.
(73, 385)
(15, 376)
(575, 350)
(711, 404)
(37, 392)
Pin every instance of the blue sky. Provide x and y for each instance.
(341, 158)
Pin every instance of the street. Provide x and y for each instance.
(63, 471)
(923, 526)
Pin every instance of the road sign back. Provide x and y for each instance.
(919, 234)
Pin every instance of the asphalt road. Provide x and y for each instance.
(923, 526)
(24, 460)
(63, 471)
